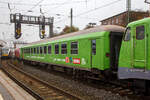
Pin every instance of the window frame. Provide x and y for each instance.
(45, 49)
(55, 49)
(34, 50)
(124, 38)
(41, 50)
(74, 49)
(137, 38)
(93, 49)
(64, 49)
(31, 50)
(50, 50)
(37, 50)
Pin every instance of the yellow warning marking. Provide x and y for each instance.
(1, 98)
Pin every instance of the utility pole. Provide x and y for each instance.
(128, 5)
(148, 2)
(71, 19)
(51, 27)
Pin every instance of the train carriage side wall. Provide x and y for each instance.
(82, 59)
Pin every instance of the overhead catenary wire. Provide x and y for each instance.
(91, 10)
(103, 6)
(51, 4)
(61, 5)
(36, 4)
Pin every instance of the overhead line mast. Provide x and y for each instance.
(71, 19)
(128, 10)
(148, 2)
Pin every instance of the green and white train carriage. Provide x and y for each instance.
(92, 49)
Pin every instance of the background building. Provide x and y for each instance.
(122, 20)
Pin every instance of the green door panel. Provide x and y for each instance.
(140, 47)
(96, 60)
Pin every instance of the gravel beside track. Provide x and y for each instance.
(42, 88)
(81, 89)
(75, 87)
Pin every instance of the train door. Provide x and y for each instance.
(95, 56)
(140, 47)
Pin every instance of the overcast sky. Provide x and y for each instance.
(84, 11)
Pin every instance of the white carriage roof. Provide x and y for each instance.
(110, 28)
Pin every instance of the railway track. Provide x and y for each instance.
(40, 89)
(113, 87)
(110, 87)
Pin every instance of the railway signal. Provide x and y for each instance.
(18, 30)
(42, 31)
(19, 19)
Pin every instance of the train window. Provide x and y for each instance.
(45, 49)
(34, 50)
(74, 47)
(94, 47)
(49, 49)
(37, 50)
(127, 34)
(140, 32)
(28, 51)
(56, 49)
(41, 50)
(63, 48)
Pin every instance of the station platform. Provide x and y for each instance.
(9, 90)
